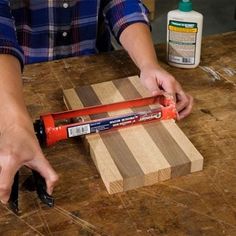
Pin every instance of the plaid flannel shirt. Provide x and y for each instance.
(44, 30)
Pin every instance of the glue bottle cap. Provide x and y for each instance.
(185, 5)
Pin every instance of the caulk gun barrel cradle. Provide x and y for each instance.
(48, 133)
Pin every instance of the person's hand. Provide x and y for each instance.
(157, 80)
(18, 147)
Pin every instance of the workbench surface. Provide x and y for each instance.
(202, 203)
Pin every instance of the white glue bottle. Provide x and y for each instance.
(184, 36)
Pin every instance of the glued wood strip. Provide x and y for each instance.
(177, 134)
(194, 156)
(107, 168)
(196, 159)
(115, 144)
(179, 166)
(136, 138)
(105, 164)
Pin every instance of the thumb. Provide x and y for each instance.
(6, 180)
(42, 166)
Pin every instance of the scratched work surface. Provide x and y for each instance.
(202, 203)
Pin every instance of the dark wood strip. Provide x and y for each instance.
(119, 151)
(179, 162)
(88, 97)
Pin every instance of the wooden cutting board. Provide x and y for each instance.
(134, 156)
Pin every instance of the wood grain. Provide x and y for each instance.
(150, 168)
(161, 137)
(141, 155)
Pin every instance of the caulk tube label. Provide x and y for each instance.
(97, 126)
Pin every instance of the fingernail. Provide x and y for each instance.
(50, 190)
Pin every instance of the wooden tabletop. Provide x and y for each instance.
(202, 203)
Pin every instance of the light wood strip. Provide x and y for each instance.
(179, 166)
(110, 174)
(71, 99)
(115, 144)
(135, 80)
(180, 163)
(138, 140)
(101, 157)
(192, 153)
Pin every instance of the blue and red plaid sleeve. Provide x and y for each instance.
(119, 14)
(8, 40)
(60, 29)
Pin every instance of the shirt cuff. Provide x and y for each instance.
(10, 48)
(125, 25)
(130, 12)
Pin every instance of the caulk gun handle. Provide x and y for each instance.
(39, 130)
(13, 200)
(40, 185)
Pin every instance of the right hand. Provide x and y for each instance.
(157, 80)
(18, 147)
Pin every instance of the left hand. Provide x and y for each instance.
(157, 80)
